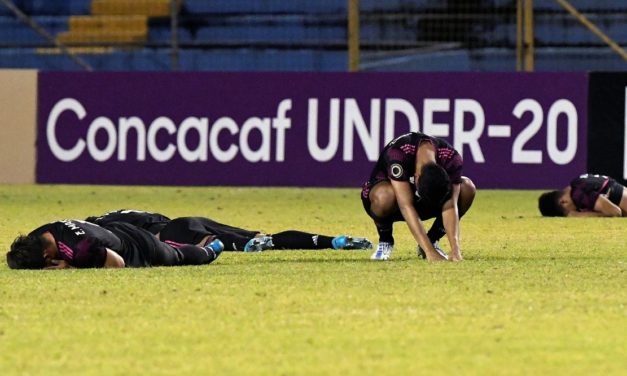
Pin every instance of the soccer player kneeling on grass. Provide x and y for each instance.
(588, 195)
(74, 243)
(418, 177)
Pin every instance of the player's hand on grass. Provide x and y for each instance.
(59, 264)
(433, 253)
(455, 256)
(436, 258)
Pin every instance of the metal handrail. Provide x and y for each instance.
(592, 27)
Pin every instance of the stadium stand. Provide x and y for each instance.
(300, 35)
(481, 36)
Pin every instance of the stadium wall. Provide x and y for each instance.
(18, 106)
(310, 129)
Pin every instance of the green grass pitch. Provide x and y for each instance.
(533, 296)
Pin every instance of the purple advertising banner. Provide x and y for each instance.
(514, 130)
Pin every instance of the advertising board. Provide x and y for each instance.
(514, 130)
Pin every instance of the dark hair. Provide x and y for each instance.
(434, 184)
(549, 204)
(27, 252)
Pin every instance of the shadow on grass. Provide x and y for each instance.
(274, 257)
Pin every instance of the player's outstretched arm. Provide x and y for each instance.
(606, 207)
(602, 208)
(583, 214)
(404, 201)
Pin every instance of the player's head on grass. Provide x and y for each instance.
(549, 204)
(27, 252)
(434, 184)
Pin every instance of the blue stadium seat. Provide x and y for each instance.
(262, 29)
(458, 60)
(501, 60)
(246, 59)
(50, 7)
(15, 33)
(421, 5)
(578, 59)
(162, 34)
(4, 11)
(550, 60)
(27, 58)
(506, 33)
(77, 7)
(150, 60)
(189, 60)
(263, 6)
(551, 29)
(395, 32)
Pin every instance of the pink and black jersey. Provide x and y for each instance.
(81, 244)
(398, 159)
(586, 188)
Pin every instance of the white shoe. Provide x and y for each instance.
(383, 252)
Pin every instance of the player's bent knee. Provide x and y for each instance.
(468, 187)
(466, 195)
(382, 200)
(382, 209)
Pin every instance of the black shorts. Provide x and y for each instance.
(140, 248)
(425, 209)
(615, 193)
(191, 230)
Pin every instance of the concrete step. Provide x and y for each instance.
(91, 37)
(131, 23)
(151, 8)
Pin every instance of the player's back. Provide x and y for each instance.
(152, 222)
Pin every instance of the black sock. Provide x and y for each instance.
(194, 255)
(436, 232)
(233, 242)
(385, 232)
(301, 240)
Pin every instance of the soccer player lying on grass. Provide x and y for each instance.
(74, 243)
(199, 230)
(418, 177)
(588, 195)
